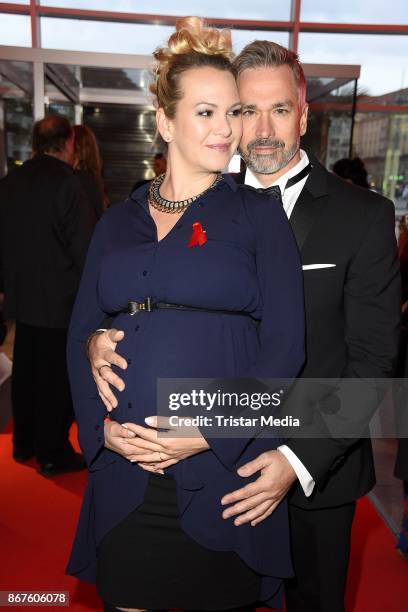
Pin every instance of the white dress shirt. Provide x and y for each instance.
(290, 195)
(289, 198)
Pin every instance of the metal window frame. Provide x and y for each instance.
(40, 57)
(294, 26)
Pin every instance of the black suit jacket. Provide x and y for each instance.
(45, 228)
(93, 189)
(352, 316)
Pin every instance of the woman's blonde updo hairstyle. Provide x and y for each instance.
(193, 45)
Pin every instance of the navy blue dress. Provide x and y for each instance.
(249, 263)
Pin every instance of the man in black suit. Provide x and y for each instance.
(45, 229)
(351, 278)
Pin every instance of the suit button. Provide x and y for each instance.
(144, 272)
(137, 327)
(129, 405)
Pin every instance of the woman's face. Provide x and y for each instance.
(207, 126)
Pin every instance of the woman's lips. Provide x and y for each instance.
(223, 148)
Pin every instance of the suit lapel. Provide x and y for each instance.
(309, 203)
(304, 215)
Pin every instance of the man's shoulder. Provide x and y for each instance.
(353, 194)
(349, 198)
(39, 167)
(48, 166)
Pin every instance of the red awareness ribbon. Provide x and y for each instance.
(198, 236)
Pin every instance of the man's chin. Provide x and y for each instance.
(260, 168)
(264, 166)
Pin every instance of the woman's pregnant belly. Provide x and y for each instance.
(179, 345)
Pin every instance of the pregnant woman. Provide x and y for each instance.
(221, 270)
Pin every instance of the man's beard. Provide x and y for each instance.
(272, 162)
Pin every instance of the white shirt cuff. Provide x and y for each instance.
(306, 481)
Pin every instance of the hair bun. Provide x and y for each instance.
(192, 35)
(189, 45)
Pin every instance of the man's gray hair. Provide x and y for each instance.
(267, 54)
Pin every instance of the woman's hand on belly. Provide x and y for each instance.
(119, 438)
(156, 453)
(101, 352)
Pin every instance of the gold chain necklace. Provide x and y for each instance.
(168, 206)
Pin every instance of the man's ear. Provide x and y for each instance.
(303, 120)
(164, 125)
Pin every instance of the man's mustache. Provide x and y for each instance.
(266, 142)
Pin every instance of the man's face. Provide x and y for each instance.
(273, 121)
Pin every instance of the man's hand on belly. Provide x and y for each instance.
(257, 500)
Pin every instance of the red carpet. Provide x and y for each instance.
(38, 518)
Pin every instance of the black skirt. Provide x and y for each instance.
(147, 561)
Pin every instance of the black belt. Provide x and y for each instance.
(148, 306)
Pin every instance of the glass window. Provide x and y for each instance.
(16, 80)
(350, 11)
(15, 30)
(107, 37)
(240, 38)
(111, 37)
(60, 108)
(242, 9)
(18, 127)
(383, 59)
(329, 122)
(381, 140)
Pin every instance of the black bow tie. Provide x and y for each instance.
(275, 189)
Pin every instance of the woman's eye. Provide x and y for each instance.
(205, 113)
(236, 112)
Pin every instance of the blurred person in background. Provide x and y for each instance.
(159, 167)
(3, 327)
(400, 396)
(45, 228)
(159, 164)
(352, 170)
(87, 164)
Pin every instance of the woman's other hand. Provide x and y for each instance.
(162, 450)
(102, 355)
(117, 439)
(122, 440)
